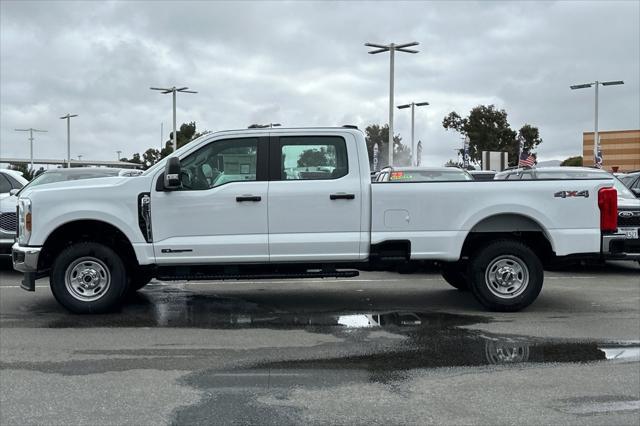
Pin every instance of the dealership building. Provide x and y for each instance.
(620, 149)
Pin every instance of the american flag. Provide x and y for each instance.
(526, 160)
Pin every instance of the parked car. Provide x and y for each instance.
(11, 181)
(628, 202)
(632, 181)
(482, 174)
(422, 174)
(293, 214)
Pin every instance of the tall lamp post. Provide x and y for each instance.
(30, 130)
(173, 90)
(391, 48)
(68, 118)
(596, 137)
(413, 106)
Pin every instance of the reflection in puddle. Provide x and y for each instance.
(626, 353)
(428, 339)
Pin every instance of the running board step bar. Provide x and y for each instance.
(163, 276)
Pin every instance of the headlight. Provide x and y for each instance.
(24, 221)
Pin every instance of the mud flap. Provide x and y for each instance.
(29, 281)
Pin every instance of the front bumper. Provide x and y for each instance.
(25, 259)
(618, 247)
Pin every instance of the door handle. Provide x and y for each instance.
(342, 196)
(242, 198)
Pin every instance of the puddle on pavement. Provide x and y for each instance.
(386, 340)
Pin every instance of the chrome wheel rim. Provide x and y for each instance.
(506, 352)
(87, 279)
(507, 276)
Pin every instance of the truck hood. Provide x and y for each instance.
(69, 187)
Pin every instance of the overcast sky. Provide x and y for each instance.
(304, 64)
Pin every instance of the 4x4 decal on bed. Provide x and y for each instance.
(568, 194)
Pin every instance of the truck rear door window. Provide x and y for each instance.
(313, 158)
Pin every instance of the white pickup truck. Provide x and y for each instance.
(277, 203)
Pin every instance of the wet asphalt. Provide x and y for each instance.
(382, 348)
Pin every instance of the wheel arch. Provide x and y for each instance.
(516, 226)
(86, 230)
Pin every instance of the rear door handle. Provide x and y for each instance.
(242, 198)
(342, 196)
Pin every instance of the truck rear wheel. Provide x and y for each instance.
(88, 278)
(456, 275)
(505, 275)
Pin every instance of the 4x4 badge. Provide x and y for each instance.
(568, 194)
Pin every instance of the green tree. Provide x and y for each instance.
(530, 137)
(27, 173)
(135, 158)
(150, 157)
(487, 129)
(380, 135)
(572, 161)
(313, 158)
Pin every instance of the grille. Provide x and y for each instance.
(628, 218)
(9, 222)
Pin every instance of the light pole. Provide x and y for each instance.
(596, 137)
(30, 130)
(80, 157)
(68, 118)
(391, 48)
(118, 154)
(173, 91)
(413, 106)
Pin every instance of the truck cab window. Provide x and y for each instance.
(313, 158)
(220, 162)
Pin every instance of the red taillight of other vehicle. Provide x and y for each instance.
(608, 203)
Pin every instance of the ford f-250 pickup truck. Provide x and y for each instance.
(270, 203)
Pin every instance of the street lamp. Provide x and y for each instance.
(391, 48)
(30, 130)
(413, 106)
(596, 137)
(173, 91)
(68, 118)
(80, 157)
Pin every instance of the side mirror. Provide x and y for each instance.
(14, 191)
(172, 179)
(636, 191)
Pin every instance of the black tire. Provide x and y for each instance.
(515, 256)
(105, 260)
(138, 279)
(456, 275)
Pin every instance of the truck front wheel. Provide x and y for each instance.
(88, 278)
(505, 275)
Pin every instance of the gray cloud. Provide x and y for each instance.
(304, 64)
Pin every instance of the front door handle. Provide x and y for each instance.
(242, 198)
(342, 196)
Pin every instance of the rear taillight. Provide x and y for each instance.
(608, 203)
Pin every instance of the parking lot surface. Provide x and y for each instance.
(381, 348)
